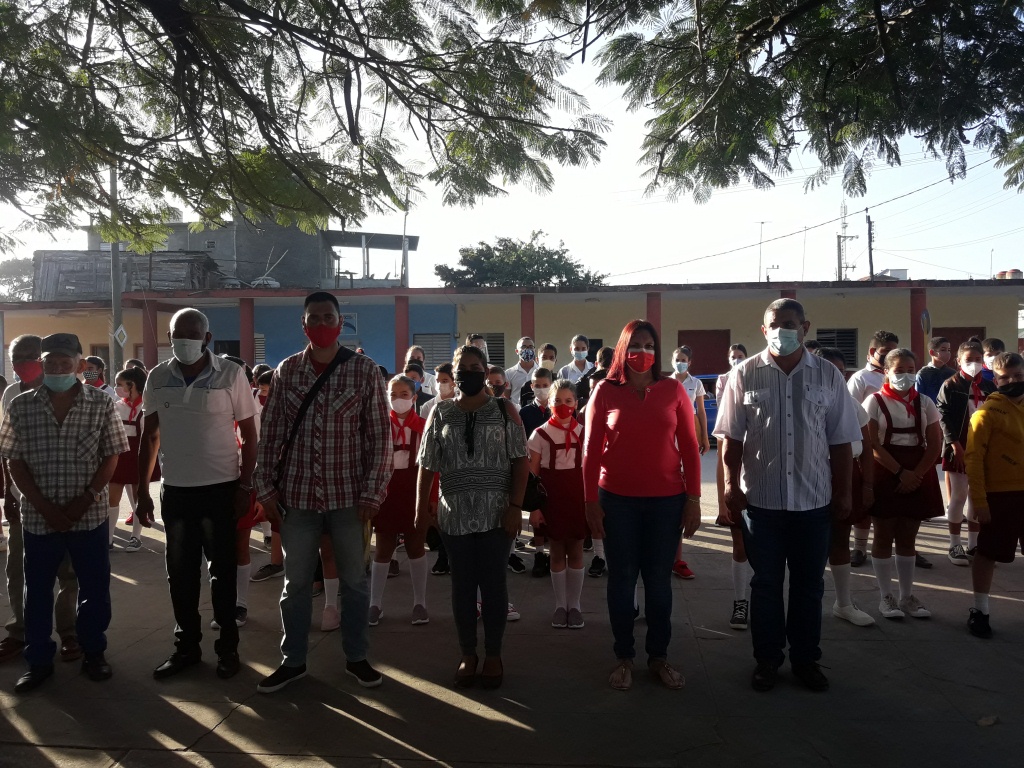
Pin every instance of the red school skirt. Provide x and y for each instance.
(398, 512)
(923, 504)
(565, 515)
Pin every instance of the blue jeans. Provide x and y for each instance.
(300, 540)
(44, 554)
(641, 536)
(775, 539)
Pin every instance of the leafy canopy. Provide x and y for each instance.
(16, 276)
(517, 264)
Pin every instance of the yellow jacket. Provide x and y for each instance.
(995, 448)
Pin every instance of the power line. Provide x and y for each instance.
(959, 245)
(791, 234)
(926, 263)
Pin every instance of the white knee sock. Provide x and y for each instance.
(955, 540)
(905, 572)
(418, 569)
(558, 585)
(860, 540)
(841, 577)
(981, 602)
(378, 578)
(741, 573)
(242, 573)
(331, 587)
(266, 528)
(112, 514)
(539, 548)
(599, 548)
(573, 587)
(883, 573)
(972, 539)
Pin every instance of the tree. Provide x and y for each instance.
(294, 110)
(737, 87)
(16, 276)
(517, 264)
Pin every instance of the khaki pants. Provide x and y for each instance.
(66, 609)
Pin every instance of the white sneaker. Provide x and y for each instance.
(513, 614)
(914, 607)
(852, 614)
(889, 609)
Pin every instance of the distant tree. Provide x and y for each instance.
(517, 264)
(16, 280)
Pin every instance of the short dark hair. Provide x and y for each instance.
(496, 370)
(993, 346)
(832, 354)
(971, 345)
(136, 376)
(446, 368)
(1008, 360)
(471, 337)
(469, 349)
(937, 341)
(265, 377)
(318, 296)
(549, 348)
(812, 344)
(97, 361)
(259, 369)
(542, 373)
(684, 350)
(413, 367)
(134, 363)
(783, 305)
(884, 337)
(738, 348)
(603, 358)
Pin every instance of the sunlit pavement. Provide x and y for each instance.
(904, 693)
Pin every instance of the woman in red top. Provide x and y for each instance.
(641, 471)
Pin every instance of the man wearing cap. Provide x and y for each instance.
(62, 441)
(192, 403)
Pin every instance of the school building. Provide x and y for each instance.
(262, 324)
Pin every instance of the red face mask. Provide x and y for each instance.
(28, 370)
(641, 362)
(323, 336)
(564, 411)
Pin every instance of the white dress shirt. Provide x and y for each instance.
(518, 377)
(787, 424)
(864, 382)
(572, 373)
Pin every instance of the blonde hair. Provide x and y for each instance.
(405, 381)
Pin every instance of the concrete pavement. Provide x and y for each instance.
(909, 692)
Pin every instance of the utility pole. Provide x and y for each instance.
(116, 360)
(839, 257)
(760, 238)
(871, 246)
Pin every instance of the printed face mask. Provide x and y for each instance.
(187, 351)
(783, 341)
(527, 355)
(91, 376)
(902, 382)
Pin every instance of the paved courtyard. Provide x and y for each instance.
(909, 692)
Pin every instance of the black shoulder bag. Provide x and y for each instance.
(536, 494)
(343, 355)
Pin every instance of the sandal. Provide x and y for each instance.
(622, 676)
(465, 675)
(668, 676)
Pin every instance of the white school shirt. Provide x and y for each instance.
(517, 378)
(563, 459)
(863, 420)
(197, 422)
(694, 388)
(401, 458)
(900, 418)
(864, 382)
(787, 424)
(574, 374)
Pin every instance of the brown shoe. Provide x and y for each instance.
(10, 648)
(70, 650)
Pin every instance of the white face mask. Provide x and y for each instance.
(187, 351)
(549, 364)
(542, 393)
(734, 361)
(401, 406)
(989, 359)
(783, 341)
(971, 369)
(580, 354)
(902, 382)
(446, 390)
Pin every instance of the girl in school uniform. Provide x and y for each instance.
(398, 512)
(681, 360)
(556, 456)
(906, 440)
(129, 385)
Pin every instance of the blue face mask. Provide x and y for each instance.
(682, 367)
(580, 355)
(783, 341)
(59, 382)
(527, 355)
(418, 384)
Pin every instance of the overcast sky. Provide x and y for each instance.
(947, 231)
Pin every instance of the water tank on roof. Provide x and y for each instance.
(1001, 275)
(1014, 274)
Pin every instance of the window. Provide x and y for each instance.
(495, 348)
(437, 348)
(260, 349)
(844, 339)
(211, 244)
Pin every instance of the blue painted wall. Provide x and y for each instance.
(283, 331)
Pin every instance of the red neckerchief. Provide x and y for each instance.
(976, 393)
(134, 407)
(570, 432)
(907, 401)
(413, 421)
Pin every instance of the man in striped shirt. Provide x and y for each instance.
(786, 424)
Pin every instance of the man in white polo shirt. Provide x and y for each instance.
(192, 403)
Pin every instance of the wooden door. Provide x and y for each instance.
(957, 335)
(710, 350)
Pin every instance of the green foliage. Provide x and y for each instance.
(517, 264)
(282, 109)
(16, 277)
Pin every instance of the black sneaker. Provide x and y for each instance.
(516, 564)
(740, 611)
(977, 624)
(393, 569)
(857, 558)
(765, 677)
(281, 678)
(520, 545)
(971, 552)
(268, 571)
(228, 665)
(441, 567)
(588, 544)
(811, 676)
(365, 675)
(597, 566)
(920, 561)
(241, 615)
(541, 565)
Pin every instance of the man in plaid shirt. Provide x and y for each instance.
(63, 440)
(333, 478)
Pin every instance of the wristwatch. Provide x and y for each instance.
(96, 495)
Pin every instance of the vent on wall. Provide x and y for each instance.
(495, 348)
(260, 348)
(844, 339)
(437, 348)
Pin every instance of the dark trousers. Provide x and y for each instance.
(776, 539)
(479, 560)
(641, 536)
(200, 521)
(44, 555)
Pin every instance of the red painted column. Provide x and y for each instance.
(401, 330)
(247, 330)
(918, 306)
(527, 316)
(150, 356)
(654, 310)
(787, 293)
